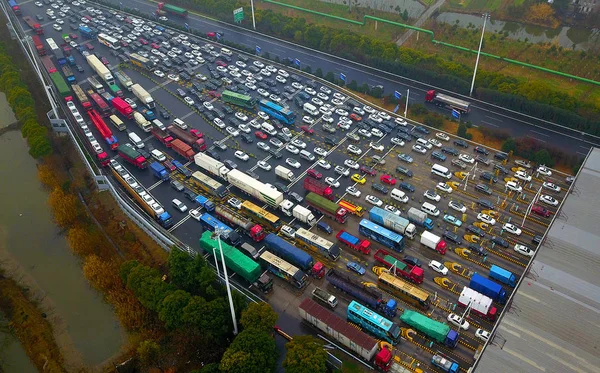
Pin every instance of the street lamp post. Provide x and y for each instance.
(217, 233)
(485, 18)
(253, 20)
(406, 106)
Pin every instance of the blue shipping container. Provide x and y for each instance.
(289, 252)
(488, 287)
(502, 275)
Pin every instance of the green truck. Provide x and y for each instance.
(327, 207)
(440, 332)
(60, 84)
(164, 9)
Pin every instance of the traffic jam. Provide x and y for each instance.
(413, 238)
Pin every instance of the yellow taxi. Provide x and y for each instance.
(358, 179)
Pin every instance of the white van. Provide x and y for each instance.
(158, 124)
(399, 195)
(310, 109)
(430, 209)
(268, 129)
(424, 143)
(440, 170)
(226, 51)
(135, 139)
(305, 154)
(179, 123)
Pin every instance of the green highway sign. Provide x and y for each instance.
(238, 15)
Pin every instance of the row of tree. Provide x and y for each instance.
(23, 105)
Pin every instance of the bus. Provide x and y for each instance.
(117, 122)
(382, 235)
(102, 106)
(262, 216)
(95, 84)
(284, 270)
(373, 322)
(402, 289)
(283, 114)
(109, 41)
(209, 185)
(211, 223)
(317, 243)
(238, 99)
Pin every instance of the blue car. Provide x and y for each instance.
(405, 157)
(353, 266)
(452, 220)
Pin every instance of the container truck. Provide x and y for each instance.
(15, 7)
(188, 138)
(352, 208)
(205, 202)
(143, 96)
(254, 231)
(183, 149)
(367, 295)
(502, 275)
(438, 331)
(448, 102)
(420, 218)
(35, 26)
(116, 91)
(48, 65)
(107, 97)
(142, 122)
(255, 188)
(211, 165)
(162, 136)
(315, 186)
(159, 171)
(61, 85)
(105, 132)
(327, 207)
(124, 79)
(68, 74)
(39, 46)
(284, 173)
(304, 215)
(353, 242)
(81, 97)
(122, 107)
(443, 362)
(433, 242)
(95, 84)
(141, 61)
(393, 222)
(239, 263)
(287, 207)
(325, 297)
(227, 233)
(148, 114)
(488, 287)
(409, 272)
(102, 71)
(164, 9)
(288, 252)
(86, 32)
(131, 155)
(481, 305)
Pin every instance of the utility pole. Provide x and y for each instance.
(485, 18)
(406, 106)
(253, 20)
(217, 233)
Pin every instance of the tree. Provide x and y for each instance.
(462, 131)
(259, 316)
(509, 145)
(252, 351)
(405, 15)
(330, 77)
(418, 109)
(148, 286)
(84, 239)
(211, 319)
(149, 352)
(319, 73)
(377, 91)
(308, 69)
(126, 268)
(542, 157)
(541, 13)
(171, 311)
(65, 207)
(353, 85)
(179, 264)
(305, 354)
(433, 120)
(364, 88)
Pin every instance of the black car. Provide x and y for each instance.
(295, 196)
(485, 203)
(231, 164)
(275, 153)
(450, 150)
(481, 150)
(289, 89)
(482, 159)
(219, 113)
(476, 230)
(253, 175)
(380, 188)
(247, 138)
(242, 58)
(79, 68)
(220, 146)
(501, 168)
(474, 248)
(422, 130)
(164, 114)
(461, 143)
(412, 260)
(501, 156)
(281, 187)
(488, 176)
(500, 241)
(438, 155)
(482, 188)
(537, 239)
(190, 195)
(453, 237)
(213, 154)
(406, 186)
(283, 137)
(144, 153)
(330, 140)
(404, 171)
(404, 136)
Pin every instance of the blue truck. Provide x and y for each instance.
(159, 171)
(420, 218)
(369, 296)
(148, 114)
(205, 202)
(445, 363)
(288, 252)
(71, 60)
(211, 223)
(87, 32)
(181, 168)
(488, 288)
(502, 275)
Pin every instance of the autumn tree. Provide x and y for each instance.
(259, 316)
(305, 354)
(149, 352)
(65, 207)
(47, 175)
(126, 268)
(541, 13)
(85, 239)
(252, 351)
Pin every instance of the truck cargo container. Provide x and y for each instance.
(352, 208)
(239, 263)
(322, 189)
(183, 149)
(131, 155)
(488, 287)
(81, 97)
(433, 242)
(288, 252)
(15, 7)
(284, 270)
(102, 71)
(438, 331)
(448, 102)
(393, 222)
(325, 297)
(95, 84)
(254, 231)
(196, 143)
(327, 207)
(255, 188)
(284, 173)
(35, 26)
(105, 132)
(141, 61)
(159, 171)
(124, 79)
(143, 96)
(122, 107)
(402, 269)
(162, 136)
(56, 51)
(481, 305)
(68, 74)
(368, 295)
(420, 218)
(502, 275)
(143, 123)
(205, 202)
(116, 91)
(86, 32)
(304, 215)
(164, 9)
(101, 105)
(211, 165)
(227, 233)
(48, 65)
(312, 241)
(445, 363)
(39, 46)
(355, 243)
(61, 85)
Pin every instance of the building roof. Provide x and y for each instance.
(553, 323)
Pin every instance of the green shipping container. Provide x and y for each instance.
(433, 329)
(60, 84)
(234, 259)
(175, 10)
(322, 202)
(129, 151)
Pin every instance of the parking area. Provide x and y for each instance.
(475, 197)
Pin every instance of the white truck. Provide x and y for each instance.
(286, 206)
(433, 242)
(325, 297)
(310, 109)
(143, 96)
(100, 69)
(124, 79)
(304, 215)
(284, 173)
(142, 122)
(255, 188)
(211, 165)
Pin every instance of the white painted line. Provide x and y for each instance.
(533, 137)
(186, 218)
(493, 118)
(489, 123)
(154, 185)
(540, 133)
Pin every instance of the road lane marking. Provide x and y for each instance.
(540, 133)
(490, 124)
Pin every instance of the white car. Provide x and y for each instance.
(551, 186)
(38, 4)
(364, 133)
(484, 335)
(368, 109)
(173, 77)
(232, 131)
(263, 92)
(264, 165)
(401, 122)
(316, 101)
(383, 115)
(288, 231)
(308, 120)
(376, 132)
(208, 105)
(280, 79)
(320, 151)
(544, 171)
(179, 205)
(341, 112)
(324, 164)
(419, 149)
(332, 182)
(131, 102)
(339, 96)
(511, 185)
(297, 85)
(219, 123)
(342, 171)
(373, 200)
(435, 143)
(158, 155)
(241, 155)
(524, 250)
(159, 73)
(293, 163)
(430, 194)
(244, 128)
(292, 149)
(350, 163)
(325, 90)
(259, 64)
(458, 321)
(375, 118)
(188, 100)
(392, 209)
(235, 203)
(354, 149)
(195, 214)
(438, 267)
(298, 143)
(486, 218)
(310, 91)
(327, 118)
(377, 147)
(241, 116)
(511, 228)
(57, 27)
(397, 141)
(444, 187)
(523, 176)
(549, 200)
(353, 191)
(263, 115)
(442, 136)
(466, 158)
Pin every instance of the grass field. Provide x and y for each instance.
(481, 5)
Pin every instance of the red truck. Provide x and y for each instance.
(354, 242)
(409, 272)
(317, 187)
(35, 26)
(193, 141)
(47, 62)
(131, 155)
(39, 47)
(122, 107)
(183, 149)
(162, 136)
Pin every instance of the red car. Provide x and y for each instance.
(124, 44)
(155, 46)
(355, 117)
(307, 129)
(169, 165)
(314, 173)
(542, 211)
(214, 94)
(89, 46)
(73, 36)
(143, 41)
(261, 135)
(104, 61)
(196, 133)
(221, 63)
(387, 179)
(211, 34)
(368, 171)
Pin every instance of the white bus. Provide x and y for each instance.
(284, 270)
(442, 171)
(109, 41)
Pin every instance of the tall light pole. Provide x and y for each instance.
(406, 106)
(253, 20)
(217, 233)
(485, 18)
